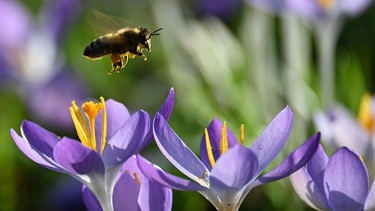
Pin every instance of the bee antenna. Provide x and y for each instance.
(154, 32)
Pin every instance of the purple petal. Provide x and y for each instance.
(77, 158)
(154, 197)
(166, 109)
(269, 5)
(272, 139)
(346, 181)
(235, 168)
(223, 8)
(340, 127)
(155, 174)
(90, 200)
(117, 115)
(131, 166)
(308, 191)
(39, 138)
(34, 154)
(306, 8)
(56, 95)
(14, 23)
(295, 160)
(58, 14)
(125, 194)
(370, 200)
(316, 167)
(214, 132)
(126, 141)
(353, 7)
(176, 151)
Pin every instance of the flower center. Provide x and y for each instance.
(86, 132)
(366, 114)
(326, 4)
(223, 142)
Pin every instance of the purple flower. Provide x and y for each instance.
(223, 9)
(313, 9)
(227, 171)
(337, 183)
(108, 136)
(133, 191)
(31, 60)
(340, 128)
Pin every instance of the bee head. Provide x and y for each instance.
(145, 37)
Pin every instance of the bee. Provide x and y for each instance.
(123, 44)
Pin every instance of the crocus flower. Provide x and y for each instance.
(314, 9)
(340, 128)
(108, 137)
(223, 9)
(326, 18)
(133, 191)
(337, 183)
(31, 60)
(227, 171)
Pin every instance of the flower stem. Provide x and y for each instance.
(326, 32)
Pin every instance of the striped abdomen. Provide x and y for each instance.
(99, 47)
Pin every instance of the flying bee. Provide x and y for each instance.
(123, 44)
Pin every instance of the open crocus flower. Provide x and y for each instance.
(108, 136)
(337, 183)
(133, 191)
(326, 18)
(340, 128)
(314, 9)
(227, 171)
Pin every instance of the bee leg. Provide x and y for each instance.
(117, 63)
(122, 63)
(143, 55)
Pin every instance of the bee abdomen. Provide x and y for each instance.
(97, 49)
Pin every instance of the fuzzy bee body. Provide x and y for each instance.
(121, 45)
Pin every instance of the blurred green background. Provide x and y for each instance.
(232, 67)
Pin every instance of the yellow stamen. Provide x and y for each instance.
(326, 4)
(365, 114)
(242, 134)
(104, 125)
(209, 148)
(136, 178)
(224, 139)
(86, 133)
(80, 125)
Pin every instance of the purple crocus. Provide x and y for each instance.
(31, 60)
(133, 191)
(108, 136)
(227, 171)
(326, 18)
(337, 183)
(340, 128)
(314, 9)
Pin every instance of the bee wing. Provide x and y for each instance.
(103, 24)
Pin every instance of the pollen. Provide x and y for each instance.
(209, 148)
(365, 114)
(242, 134)
(224, 139)
(86, 130)
(205, 181)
